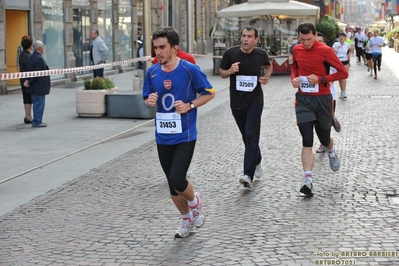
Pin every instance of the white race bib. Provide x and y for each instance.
(306, 86)
(246, 83)
(168, 123)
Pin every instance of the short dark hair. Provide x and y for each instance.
(169, 33)
(26, 43)
(249, 28)
(319, 34)
(342, 34)
(306, 28)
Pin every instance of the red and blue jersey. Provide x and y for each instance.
(183, 83)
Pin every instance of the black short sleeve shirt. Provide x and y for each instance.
(250, 65)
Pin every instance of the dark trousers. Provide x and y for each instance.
(248, 122)
(98, 72)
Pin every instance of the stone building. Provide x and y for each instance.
(64, 27)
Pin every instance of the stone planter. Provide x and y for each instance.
(91, 103)
(136, 84)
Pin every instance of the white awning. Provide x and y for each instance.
(269, 7)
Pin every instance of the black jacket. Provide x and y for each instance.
(38, 85)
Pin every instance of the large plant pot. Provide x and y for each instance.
(390, 44)
(91, 103)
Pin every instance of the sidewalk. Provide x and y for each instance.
(45, 158)
(120, 213)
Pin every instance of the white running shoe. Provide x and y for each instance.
(321, 149)
(198, 212)
(246, 181)
(307, 187)
(184, 228)
(258, 171)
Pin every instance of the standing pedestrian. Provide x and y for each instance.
(39, 86)
(313, 101)
(343, 51)
(26, 94)
(172, 86)
(20, 49)
(243, 64)
(98, 53)
(376, 43)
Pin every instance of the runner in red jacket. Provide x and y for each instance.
(313, 101)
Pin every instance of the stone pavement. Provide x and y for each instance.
(120, 213)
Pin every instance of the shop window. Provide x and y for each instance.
(53, 35)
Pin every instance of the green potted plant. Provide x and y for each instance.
(91, 100)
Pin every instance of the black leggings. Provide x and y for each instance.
(377, 62)
(175, 161)
(306, 130)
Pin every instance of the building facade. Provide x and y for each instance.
(64, 27)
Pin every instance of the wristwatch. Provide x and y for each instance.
(324, 81)
(192, 106)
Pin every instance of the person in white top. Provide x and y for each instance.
(368, 52)
(359, 44)
(336, 124)
(376, 43)
(343, 51)
(364, 38)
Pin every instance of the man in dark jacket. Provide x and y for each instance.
(40, 86)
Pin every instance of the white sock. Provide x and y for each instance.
(193, 203)
(308, 175)
(331, 153)
(187, 216)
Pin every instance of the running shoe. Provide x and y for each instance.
(321, 149)
(198, 212)
(343, 94)
(336, 124)
(246, 181)
(184, 228)
(375, 77)
(334, 162)
(307, 187)
(258, 171)
(371, 73)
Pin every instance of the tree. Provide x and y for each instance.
(329, 27)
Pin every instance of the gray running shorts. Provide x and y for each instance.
(314, 108)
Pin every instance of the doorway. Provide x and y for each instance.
(16, 27)
(81, 37)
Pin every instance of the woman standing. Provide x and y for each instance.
(343, 51)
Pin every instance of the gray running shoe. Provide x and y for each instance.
(246, 181)
(184, 228)
(258, 171)
(198, 212)
(334, 162)
(343, 94)
(307, 187)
